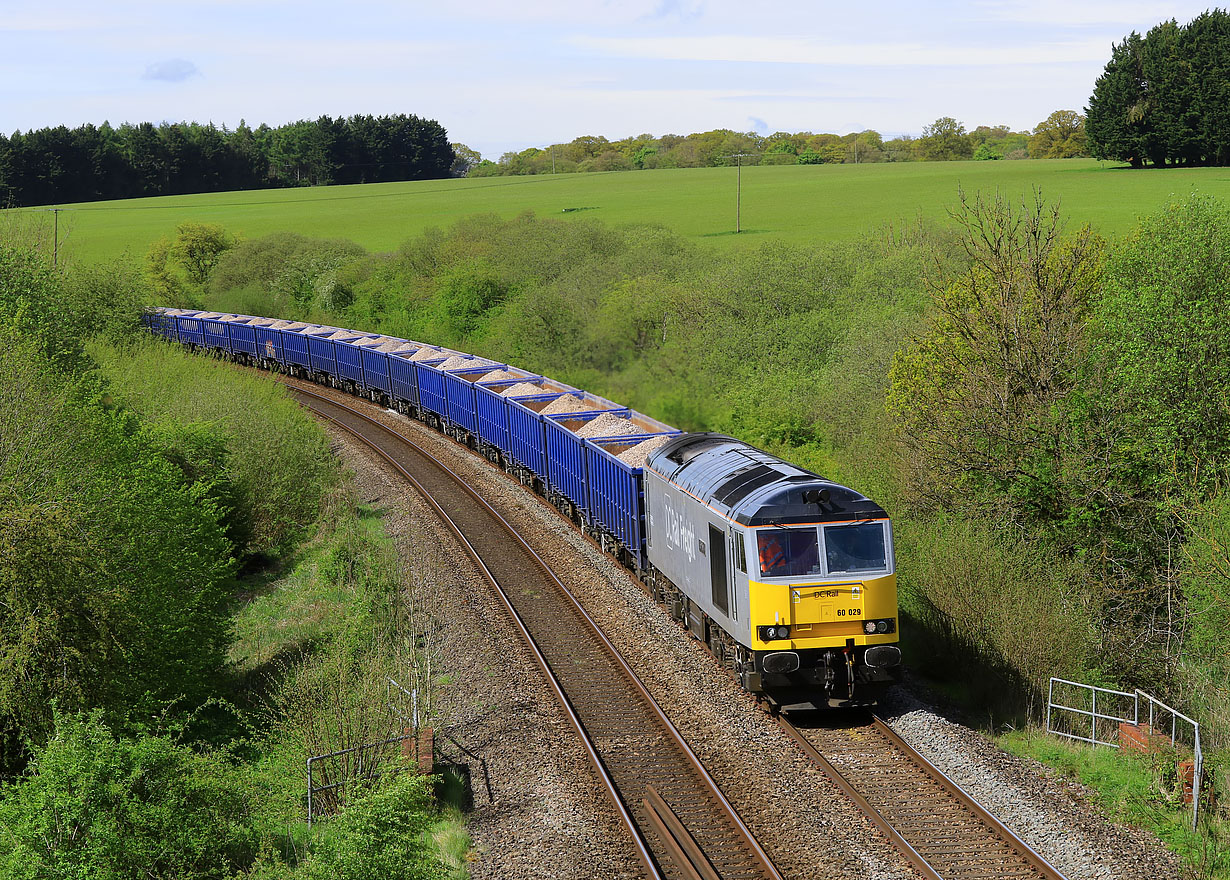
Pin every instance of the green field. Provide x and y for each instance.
(792, 203)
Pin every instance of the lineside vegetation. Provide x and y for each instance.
(1044, 410)
(160, 518)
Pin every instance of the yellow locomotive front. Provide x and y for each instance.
(826, 592)
(788, 576)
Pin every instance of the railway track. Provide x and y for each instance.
(943, 832)
(679, 822)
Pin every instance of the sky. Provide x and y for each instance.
(503, 76)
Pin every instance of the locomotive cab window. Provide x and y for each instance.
(736, 540)
(855, 549)
(788, 552)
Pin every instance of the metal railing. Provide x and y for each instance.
(325, 798)
(1120, 707)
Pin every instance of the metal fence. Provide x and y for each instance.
(1100, 711)
(347, 765)
(336, 769)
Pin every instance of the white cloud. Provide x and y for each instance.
(171, 70)
(803, 50)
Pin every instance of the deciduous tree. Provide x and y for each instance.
(945, 139)
(980, 399)
(198, 247)
(1060, 136)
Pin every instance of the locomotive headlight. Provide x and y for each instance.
(880, 627)
(773, 633)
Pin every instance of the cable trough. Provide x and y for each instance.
(679, 821)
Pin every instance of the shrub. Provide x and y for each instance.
(93, 805)
(1000, 613)
(379, 835)
(277, 459)
(112, 559)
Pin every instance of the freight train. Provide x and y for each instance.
(787, 577)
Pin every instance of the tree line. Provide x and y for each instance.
(91, 163)
(1162, 98)
(1060, 136)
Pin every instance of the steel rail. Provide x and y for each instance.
(761, 858)
(1039, 864)
(912, 855)
(1029, 859)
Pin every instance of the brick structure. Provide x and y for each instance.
(420, 749)
(1142, 738)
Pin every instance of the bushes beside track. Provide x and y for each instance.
(140, 734)
(268, 465)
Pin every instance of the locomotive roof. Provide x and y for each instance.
(752, 487)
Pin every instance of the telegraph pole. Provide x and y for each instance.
(738, 157)
(55, 248)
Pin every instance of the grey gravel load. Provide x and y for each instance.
(426, 353)
(458, 361)
(569, 403)
(520, 389)
(496, 376)
(636, 456)
(607, 425)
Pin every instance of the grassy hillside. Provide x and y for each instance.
(792, 203)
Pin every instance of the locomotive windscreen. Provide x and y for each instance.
(851, 549)
(855, 548)
(788, 552)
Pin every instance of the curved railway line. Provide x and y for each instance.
(679, 822)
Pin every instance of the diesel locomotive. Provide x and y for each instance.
(788, 578)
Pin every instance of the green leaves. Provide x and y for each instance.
(113, 560)
(97, 806)
(1161, 332)
(982, 399)
(250, 449)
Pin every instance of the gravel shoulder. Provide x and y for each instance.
(548, 817)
